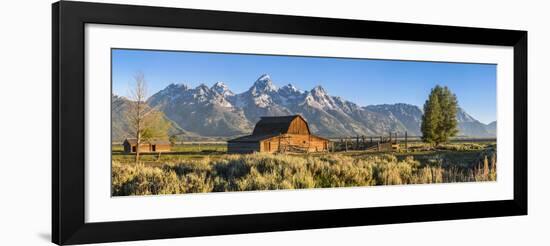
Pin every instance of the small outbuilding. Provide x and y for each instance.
(279, 134)
(147, 146)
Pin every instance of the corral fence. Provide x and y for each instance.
(391, 142)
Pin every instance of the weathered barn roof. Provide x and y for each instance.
(275, 124)
(133, 141)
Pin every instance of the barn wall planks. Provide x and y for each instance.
(294, 143)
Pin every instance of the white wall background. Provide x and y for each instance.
(25, 77)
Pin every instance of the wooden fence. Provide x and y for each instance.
(368, 143)
(392, 141)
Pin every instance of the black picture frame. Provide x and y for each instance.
(69, 19)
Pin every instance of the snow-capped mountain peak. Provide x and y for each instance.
(174, 91)
(289, 91)
(319, 91)
(319, 98)
(177, 86)
(222, 89)
(220, 86)
(462, 116)
(264, 77)
(202, 89)
(263, 84)
(290, 87)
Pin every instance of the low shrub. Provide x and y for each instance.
(279, 171)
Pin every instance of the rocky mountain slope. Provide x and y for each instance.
(121, 129)
(218, 112)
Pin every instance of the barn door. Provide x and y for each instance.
(267, 146)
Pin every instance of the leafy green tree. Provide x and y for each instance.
(439, 121)
(431, 119)
(173, 139)
(156, 126)
(449, 106)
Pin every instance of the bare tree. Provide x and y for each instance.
(145, 122)
(139, 110)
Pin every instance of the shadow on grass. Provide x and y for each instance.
(205, 152)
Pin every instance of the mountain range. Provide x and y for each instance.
(218, 112)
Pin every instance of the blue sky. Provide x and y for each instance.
(362, 81)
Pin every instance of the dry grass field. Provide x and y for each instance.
(207, 168)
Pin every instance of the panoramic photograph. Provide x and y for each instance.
(199, 122)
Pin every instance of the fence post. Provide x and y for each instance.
(406, 143)
(346, 142)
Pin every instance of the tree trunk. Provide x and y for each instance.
(138, 145)
(137, 155)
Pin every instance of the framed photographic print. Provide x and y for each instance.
(176, 122)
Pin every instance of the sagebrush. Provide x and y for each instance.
(279, 171)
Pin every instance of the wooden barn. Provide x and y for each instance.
(279, 134)
(148, 146)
